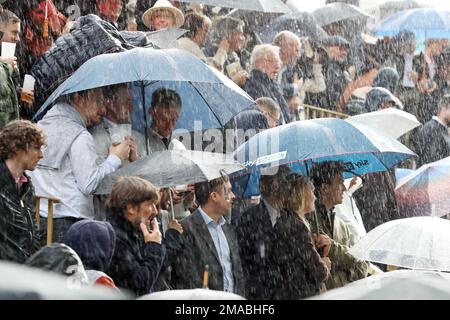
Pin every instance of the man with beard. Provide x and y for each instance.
(20, 150)
(139, 254)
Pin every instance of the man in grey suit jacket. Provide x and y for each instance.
(208, 240)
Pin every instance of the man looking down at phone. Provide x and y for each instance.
(139, 254)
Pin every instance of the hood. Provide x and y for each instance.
(387, 78)
(93, 241)
(376, 97)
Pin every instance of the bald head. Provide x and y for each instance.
(289, 45)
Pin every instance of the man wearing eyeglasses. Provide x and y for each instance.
(209, 243)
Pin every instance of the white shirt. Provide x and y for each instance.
(273, 213)
(75, 181)
(408, 68)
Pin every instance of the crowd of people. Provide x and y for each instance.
(292, 243)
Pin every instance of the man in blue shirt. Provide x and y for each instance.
(208, 240)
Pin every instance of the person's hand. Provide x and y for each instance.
(240, 78)
(27, 97)
(322, 241)
(12, 61)
(327, 262)
(352, 72)
(174, 224)
(122, 150)
(413, 76)
(133, 149)
(154, 235)
(176, 198)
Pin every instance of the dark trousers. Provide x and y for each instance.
(60, 227)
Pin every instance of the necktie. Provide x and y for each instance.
(166, 142)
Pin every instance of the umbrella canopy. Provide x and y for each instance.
(391, 121)
(337, 11)
(253, 5)
(363, 149)
(424, 22)
(174, 167)
(394, 285)
(191, 294)
(207, 95)
(428, 184)
(303, 24)
(23, 282)
(390, 8)
(165, 38)
(414, 243)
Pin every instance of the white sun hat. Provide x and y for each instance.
(166, 5)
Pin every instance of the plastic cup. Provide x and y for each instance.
(119, 132)
(27, 93)
(8, 49)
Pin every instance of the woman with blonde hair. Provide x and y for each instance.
(303, 269)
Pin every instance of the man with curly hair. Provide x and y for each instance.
(20, 149)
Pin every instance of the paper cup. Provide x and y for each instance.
(8, 49)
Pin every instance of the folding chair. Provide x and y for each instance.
(51, 201)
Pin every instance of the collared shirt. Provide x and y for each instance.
(75, 181)
(273, 213)
(222, 247)
(438, 120)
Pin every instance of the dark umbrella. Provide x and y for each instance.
(303, 24)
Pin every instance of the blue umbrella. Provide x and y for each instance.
(426, 23)
(300, 144)
(207, 95)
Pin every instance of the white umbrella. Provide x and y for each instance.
(414, 243)
(430, 184)
(338, 11)
(252, 5)
(192, 294)
(392, 121)
(395, 285)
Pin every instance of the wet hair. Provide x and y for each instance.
(130, 190)
(204, 189)
(165, 98)
(193, 22)
(324, 173)
(296, 187)
(268, 104)
(387, 78)
(7, 17)
(112, 90)
(20, 135)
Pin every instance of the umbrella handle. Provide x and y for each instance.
(171, 204)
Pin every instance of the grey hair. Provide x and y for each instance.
(268, 104)
(261, 51)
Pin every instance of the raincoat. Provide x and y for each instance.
(18, 236)
(9, 107)
(431, 142)
(344, 267)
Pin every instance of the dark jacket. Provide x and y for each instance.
(256, 239)
(9, 107)
(431, 143)
(198, 250)
(304, 273)
(135, 264)
(94, 242)
(260, 85)
(18, 236)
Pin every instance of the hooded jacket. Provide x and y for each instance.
(18, 236)
(9, 108)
